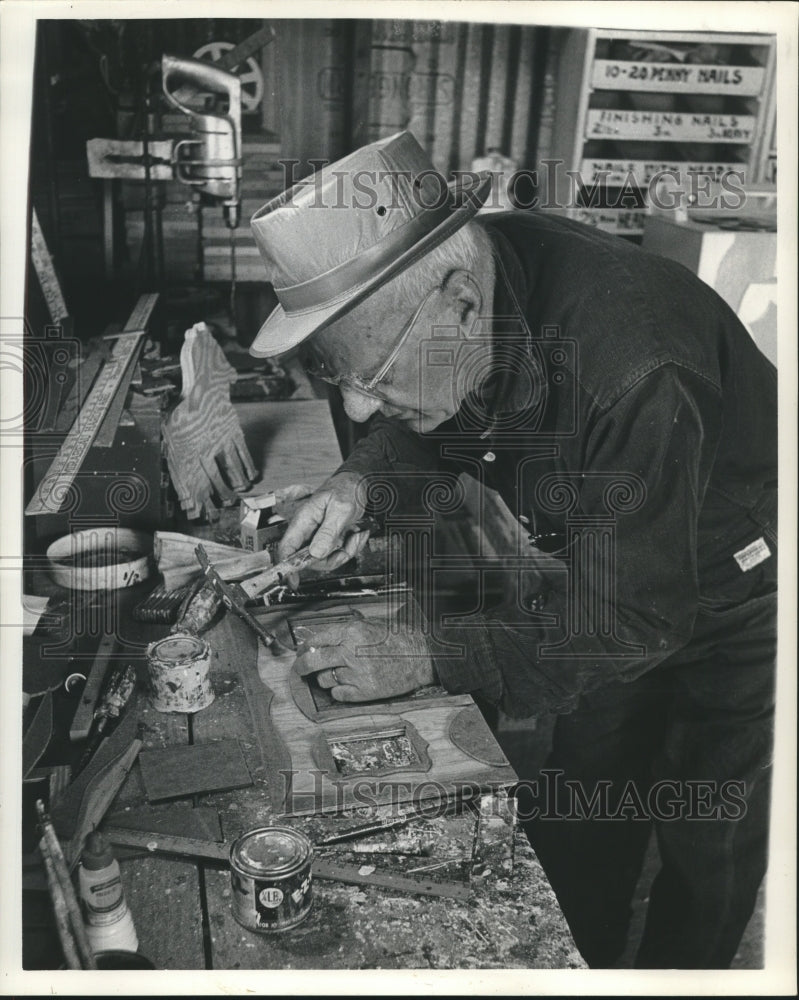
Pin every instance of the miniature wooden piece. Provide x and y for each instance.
(205, 448)
(338, 756)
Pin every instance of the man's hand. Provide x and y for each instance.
(362, 661)
(324, 519)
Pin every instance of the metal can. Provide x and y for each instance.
(178, 666)
(270, 872)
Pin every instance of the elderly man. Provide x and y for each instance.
(626, 417)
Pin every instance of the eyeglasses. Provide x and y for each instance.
(315, 365)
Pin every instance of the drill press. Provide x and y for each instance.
(210, 162)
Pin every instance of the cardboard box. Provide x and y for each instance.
(259, 523)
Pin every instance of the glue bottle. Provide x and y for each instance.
(109, 924)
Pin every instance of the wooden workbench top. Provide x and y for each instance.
(182, 909)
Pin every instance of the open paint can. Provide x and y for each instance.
(178, 667)
(270, 871)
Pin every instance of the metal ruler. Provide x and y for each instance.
(53, 490)
(330, 871)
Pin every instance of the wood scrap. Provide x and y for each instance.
(97, 800)
(37, 735)
(84, 715)
(199, 823)
(177, 562)
(175, 772)
(67, 811)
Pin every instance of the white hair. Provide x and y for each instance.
(469, 249)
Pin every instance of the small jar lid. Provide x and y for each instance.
(97, 852)
(270, 850)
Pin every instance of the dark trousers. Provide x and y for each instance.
(687, 748)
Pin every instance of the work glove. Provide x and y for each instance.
(360, 660)
(324, 520)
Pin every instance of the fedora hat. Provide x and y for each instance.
(335, 237)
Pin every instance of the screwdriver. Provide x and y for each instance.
(119, 688)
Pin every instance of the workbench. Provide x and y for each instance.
(182, 906)
(182, 909)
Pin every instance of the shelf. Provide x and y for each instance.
(633, 105)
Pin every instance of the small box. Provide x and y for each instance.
(259, 522)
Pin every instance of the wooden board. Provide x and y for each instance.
(164, 894)
(374, 753)
(176, 772)
(292, 441)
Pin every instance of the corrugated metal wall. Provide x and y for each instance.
(462, 89)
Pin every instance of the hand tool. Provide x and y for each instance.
(116, 696)
(231, 600)
(322, 869)
(236, 595)
(333, 589)
(253, 586)
(57, 874)
(54, 488)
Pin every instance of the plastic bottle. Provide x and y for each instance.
(109, 924)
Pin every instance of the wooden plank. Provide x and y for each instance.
(38, 734)
(176, 772)
(163, 893)
(668, 126)
(55, 485)
(292, 441)
(164, 898)
(677, 78)
(84, 715)
(45, 272)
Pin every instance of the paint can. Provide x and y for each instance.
(270, 872)
(178, 667)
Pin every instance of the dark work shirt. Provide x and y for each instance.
(631, 421)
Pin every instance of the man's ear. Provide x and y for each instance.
(463, 294)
